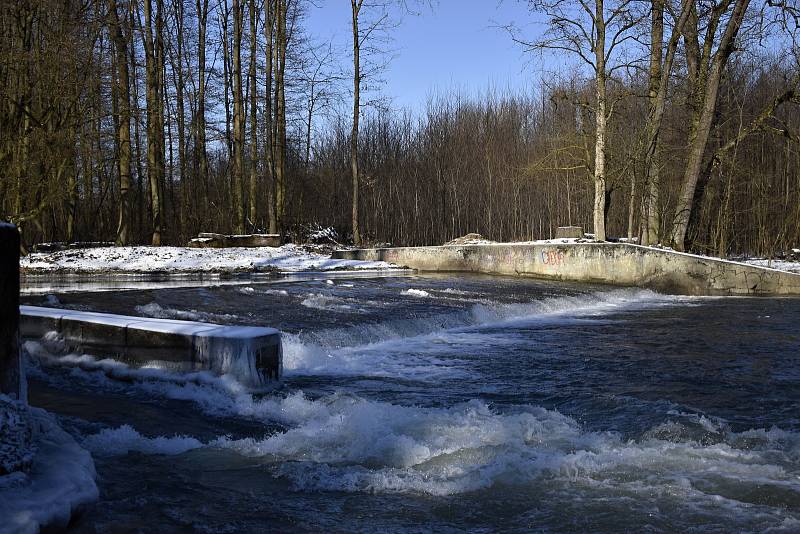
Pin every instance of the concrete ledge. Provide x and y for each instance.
(606, 263)
(252, 354)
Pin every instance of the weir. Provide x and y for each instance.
(251, 354)
(621, 264)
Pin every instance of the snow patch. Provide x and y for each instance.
(184, 259)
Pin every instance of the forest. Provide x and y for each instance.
(673, 122)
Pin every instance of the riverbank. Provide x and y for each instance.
(182, 260)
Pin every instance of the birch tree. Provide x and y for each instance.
(370, 24)
(595, 33)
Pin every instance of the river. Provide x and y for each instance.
(447, 403)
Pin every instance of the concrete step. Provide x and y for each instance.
(251, 354)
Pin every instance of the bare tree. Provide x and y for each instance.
(595, 33)
(370, 26)
(123, 122)
(238, 116)
(251, 77)
(152, 35)
(279, 109)
(706, 62)
(659, 73)
(199, 122)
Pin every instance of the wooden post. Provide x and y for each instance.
(10, 375)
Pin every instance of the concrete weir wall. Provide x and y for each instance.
(607, 263)
(252, 354)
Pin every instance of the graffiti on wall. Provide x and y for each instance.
(554, 258)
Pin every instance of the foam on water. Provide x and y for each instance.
(346, 443)
(343, 442)
(320, 301)
(263, 291)
(122, 440)
(157, 311)
(416, 292)
(371, 349)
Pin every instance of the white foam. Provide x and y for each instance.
(155, 310)
(325, 302)
(264, 291)
(342, 442)
(414, 348)
(345, 443)
(416, 292)
(120, 441)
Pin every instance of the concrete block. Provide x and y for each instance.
(252, 354)
(569, 232)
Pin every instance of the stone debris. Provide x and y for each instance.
(469, 239)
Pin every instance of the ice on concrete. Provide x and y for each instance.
(141, 259)
(226, 350)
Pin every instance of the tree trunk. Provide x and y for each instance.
(155, 123)
(356, 7)
(279, 136)
(270, 7)
(253, 215)
(201, 158)
(180, 111)
(707, 91)
(601, 125)
(238, 116)
(123, 126)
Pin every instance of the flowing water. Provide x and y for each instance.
(447, 403)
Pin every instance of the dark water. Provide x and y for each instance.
(468, 403)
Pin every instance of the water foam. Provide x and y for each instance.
(320, 301)
(416, 292)
(346, 443)
(372, 349)
(343, 442)
(157, 311)
(124, 439)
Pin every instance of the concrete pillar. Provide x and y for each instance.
(10, 371)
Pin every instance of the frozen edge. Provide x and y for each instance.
(61, 480)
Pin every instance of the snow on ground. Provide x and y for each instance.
(781, 265)
(59, 480)
(184, 259)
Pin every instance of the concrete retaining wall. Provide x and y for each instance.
(252, 354)
(607, 263)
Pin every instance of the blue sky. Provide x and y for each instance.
(454, 44)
